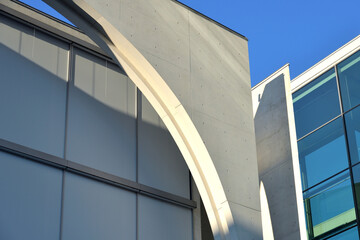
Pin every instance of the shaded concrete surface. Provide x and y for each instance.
(277, 155)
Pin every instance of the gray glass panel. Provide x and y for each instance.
(353, 132)
(316, 103)
(351, 234)
(34, 71)
(30, 199)
(329, 205)
(95, 210)
(161, 164)
(349, 79)
(101, 121)
(162, 221)
(323, 153)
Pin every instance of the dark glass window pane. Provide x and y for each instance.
(316, 103)
(329, 206)
(349, 78)
(351, 234)
(356, 174)
(322, 154)
(352, 119)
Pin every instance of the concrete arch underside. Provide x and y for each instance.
(221, 215)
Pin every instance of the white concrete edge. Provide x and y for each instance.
(267, 229)
(325, 64)
(271, 76)
(295, 156)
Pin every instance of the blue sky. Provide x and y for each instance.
(297, 32)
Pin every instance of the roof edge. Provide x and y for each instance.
(270, 76)
(210, 19)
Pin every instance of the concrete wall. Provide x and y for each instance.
(277, 155)
(206, 66)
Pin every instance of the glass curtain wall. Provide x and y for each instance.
(327, 117)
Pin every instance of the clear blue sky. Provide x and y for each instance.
(297, 32)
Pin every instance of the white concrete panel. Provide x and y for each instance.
(153, 26)
(95, 210)
(246, 222)
(282, 201)
(162, 221)
(178, 78)
(277, 155)
(222, 108)
(236, 166)
(161, 164)
(164, 25)
(30, 199)
(33, 88)
(220, 80)
(101, 123)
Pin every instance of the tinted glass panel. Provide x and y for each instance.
(30, 199)
(322, 153)
(349, 78)
(353, 131)
(101, 117)
(351, 234)
(316, 103)
(356, 174)
(94, 210)
(162, 221)
(329, 205)
(34, 72)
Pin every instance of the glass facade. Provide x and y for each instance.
(327, 120)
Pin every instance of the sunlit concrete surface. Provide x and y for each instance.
(277, 154)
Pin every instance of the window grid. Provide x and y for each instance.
(350, 165)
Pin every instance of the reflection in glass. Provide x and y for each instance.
(329, 206)
(351, 234)
(322, 154)
(352, 120)
(316, 103)
(349, 79)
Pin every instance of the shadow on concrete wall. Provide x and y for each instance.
(275, 159)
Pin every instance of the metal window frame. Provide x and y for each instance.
(341, 115)
(82, 170)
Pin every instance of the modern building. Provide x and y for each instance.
(88, 154)
(325, 99)
(143, 125)
(309, 126)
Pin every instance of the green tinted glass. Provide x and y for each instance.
(352, 119)
(329, 206)
(316, 103)
(323, 154)
(349, 79)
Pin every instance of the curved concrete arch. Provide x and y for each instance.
(166, 104)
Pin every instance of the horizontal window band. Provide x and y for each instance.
(95, 174)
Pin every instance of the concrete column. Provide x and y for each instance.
(277, 154)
